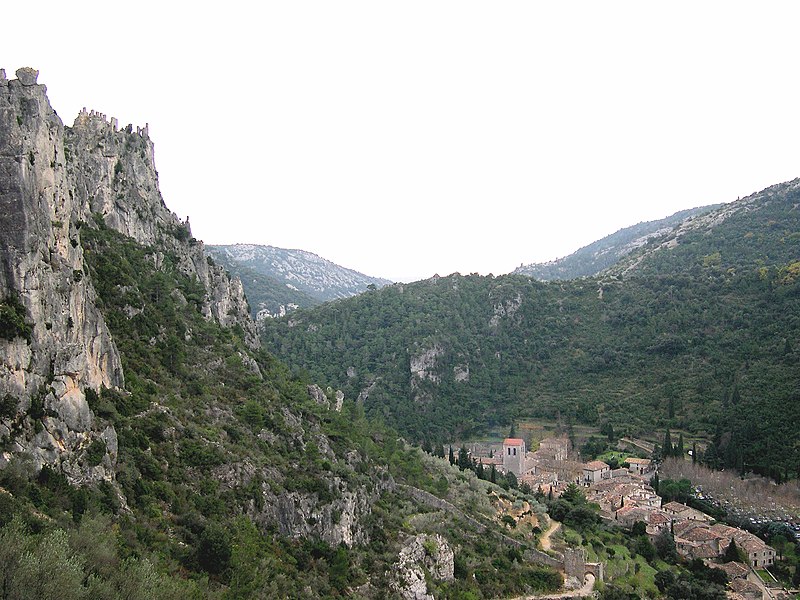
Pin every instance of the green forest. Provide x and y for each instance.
(700, 337)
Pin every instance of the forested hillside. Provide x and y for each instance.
(151, 449)
(698, 344)
(602, 254)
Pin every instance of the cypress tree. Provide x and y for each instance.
(463, 459)
(493, 475)
(679, 449)
(452, 457)
(694, 453)
(667, 451)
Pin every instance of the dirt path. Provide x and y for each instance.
(545, 539)
(583, 592)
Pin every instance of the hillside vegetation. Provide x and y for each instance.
(232, 480)
(697, 331)
(604, 253)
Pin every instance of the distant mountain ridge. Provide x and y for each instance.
(760, 230)
(606, 252)
(279, 280)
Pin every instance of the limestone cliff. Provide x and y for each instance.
(114, 176)
(54, 181)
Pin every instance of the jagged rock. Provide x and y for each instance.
(423, 365)
(303, 515)
(53, 180)
(421, 554)
(26, 76)
(461, 372)
(339, 401)
(318, 396)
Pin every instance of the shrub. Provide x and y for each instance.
(12, 320)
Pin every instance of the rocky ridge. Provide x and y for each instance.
(55, 180)
(312, 278)
(604, 253)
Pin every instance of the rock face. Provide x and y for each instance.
(115, 178)
(280, 280)
(421, 555)
(53, 181)
(41, 264)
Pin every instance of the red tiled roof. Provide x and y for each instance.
(699, 534)
(733, 569)
(596, 465)
(513, 442)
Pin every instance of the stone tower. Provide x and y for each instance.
(514, 455)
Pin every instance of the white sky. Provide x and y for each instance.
(404, 139)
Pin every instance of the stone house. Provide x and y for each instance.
(639, 466)
(595, 471)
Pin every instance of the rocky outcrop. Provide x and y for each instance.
(115, 178)
(41, 265)
(54, 181)
(423, 364)
(317, 395)
(422, 555)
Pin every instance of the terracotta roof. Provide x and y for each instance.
(637, 461)
(744, 586)
(595, 465)
(699, 534)
(675, 507)
(733, 569)
(684, 526)
(658, 518)
(721, 530)
(512, 442)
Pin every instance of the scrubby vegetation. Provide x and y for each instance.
(689, 341)
(210, 434)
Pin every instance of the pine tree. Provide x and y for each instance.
(426, 447)
(667, 451)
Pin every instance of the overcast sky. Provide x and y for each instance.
(410, 138)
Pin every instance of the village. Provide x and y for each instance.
(625, 497)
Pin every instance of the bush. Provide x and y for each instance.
(12, 320)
